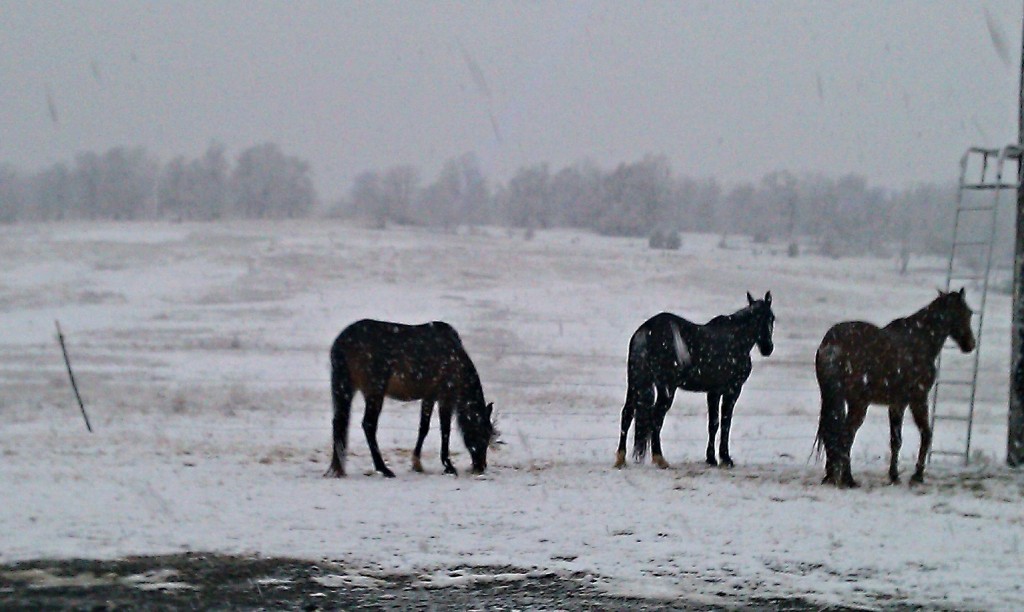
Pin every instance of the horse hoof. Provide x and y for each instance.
(728, 463)
(829, 480)
(620, 460)
(387, 473)
(452, 471)
(894, 480)
(712, 461)
(849, 483)
(659, 461)
(917, 479)
(334, 473)
(417, 466)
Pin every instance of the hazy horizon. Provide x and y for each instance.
(892, 91)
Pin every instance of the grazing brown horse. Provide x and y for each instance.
(408, 362)
(858, 364)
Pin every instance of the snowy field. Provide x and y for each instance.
(201, 353)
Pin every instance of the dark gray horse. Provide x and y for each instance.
(668, 353)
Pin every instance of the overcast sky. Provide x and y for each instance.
(891, 90)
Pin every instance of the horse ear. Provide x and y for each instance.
(962, 290)
(490, 409)
(750, 299)
(768, 298)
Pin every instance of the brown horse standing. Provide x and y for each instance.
(858, 364)
(407, 362)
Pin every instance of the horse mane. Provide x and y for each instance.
(739, 316)
(923, 313)
(460, 355)
(474, 390)
(475, 386)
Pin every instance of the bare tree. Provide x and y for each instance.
(527, 198)
(12, 197)
(368, 199)
(399, 187)
(266, 183)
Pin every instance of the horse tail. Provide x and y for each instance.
(341, 396)
(640, 392)
(833, 405)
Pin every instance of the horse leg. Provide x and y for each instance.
(661, 406)
(374, 404)
(445, 414)
(426, 409)
(831, 422)
(627, 419)
(896, 412)
(445, 417)
(728, 403)
(713, 401)
(341, 395)
(856, 411)
(919, 410)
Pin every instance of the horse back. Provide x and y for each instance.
(873, 363)
(850, 343)
(384, 337)
(402, 361)
(664, 335)
(690, 356)
(660, 325)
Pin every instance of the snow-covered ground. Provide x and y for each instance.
(201, 353)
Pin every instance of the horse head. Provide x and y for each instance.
(479, 433)
(957, 314)
(762, 312)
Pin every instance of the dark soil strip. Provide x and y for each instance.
(199, 581)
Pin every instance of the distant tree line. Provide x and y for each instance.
(842, 215)
(130, 184)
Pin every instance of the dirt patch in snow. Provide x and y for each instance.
(208, 581)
